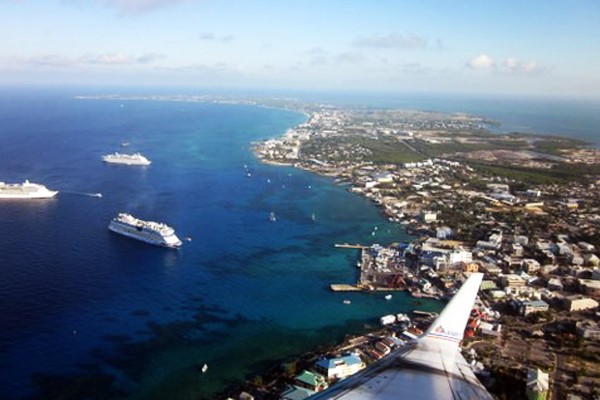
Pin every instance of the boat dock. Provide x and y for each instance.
(340, 287)
(350, 246)
(425, 314)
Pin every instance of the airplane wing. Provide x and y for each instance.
(430, 367)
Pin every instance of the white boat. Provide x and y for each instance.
(25, 190)
(204, 368)
(402, 317)
(347, 302)
(147, 231)
(388, 296)
(272, 217)
(126, 159)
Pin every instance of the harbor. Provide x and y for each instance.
(387, 269)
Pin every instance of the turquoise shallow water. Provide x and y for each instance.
(89, 314)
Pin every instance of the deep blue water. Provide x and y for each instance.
(85, 310)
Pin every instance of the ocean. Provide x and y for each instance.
(89, 314)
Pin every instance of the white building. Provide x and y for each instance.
(460, 256)
(339, 367)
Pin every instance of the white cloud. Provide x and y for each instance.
(218, 69)
(510, 66)
(212, 36)
(45, 60)
(392, 41)
(482, 61)
(349, 57)
(514, 66)
(316, 51)
(120, 59)
(317, 56)
(59, 61)
(207, 36)
(140, 6)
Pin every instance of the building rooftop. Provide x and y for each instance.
(350, 359)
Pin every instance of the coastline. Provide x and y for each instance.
(474, 187)
(255, 271)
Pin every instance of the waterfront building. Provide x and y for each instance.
(293, 392)
(339, 367)
(311, 380)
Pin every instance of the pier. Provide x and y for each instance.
(350, 246)
(341, 287)
(382, 269)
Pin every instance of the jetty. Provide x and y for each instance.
(350, 246)
(341, 287)
(425, 314)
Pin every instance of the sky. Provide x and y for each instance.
(508, 47)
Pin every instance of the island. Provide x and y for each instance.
(522, 208)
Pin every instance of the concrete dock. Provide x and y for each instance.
(337, 287)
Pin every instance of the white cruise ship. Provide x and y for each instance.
(25, 190)
(127, 159)
(147, 231)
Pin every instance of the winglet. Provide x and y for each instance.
(449, 327)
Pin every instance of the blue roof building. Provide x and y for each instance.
(340, 367)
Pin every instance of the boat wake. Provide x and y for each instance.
(98, 195)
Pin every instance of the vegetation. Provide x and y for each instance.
(554, 147)
(387, 150)
(560, 173)
(382, 150)
(455, 146)
(435, 149)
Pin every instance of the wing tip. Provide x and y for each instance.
(449, 327)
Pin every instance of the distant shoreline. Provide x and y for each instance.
(569, 117)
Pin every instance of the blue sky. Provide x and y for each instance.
(548, 48)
